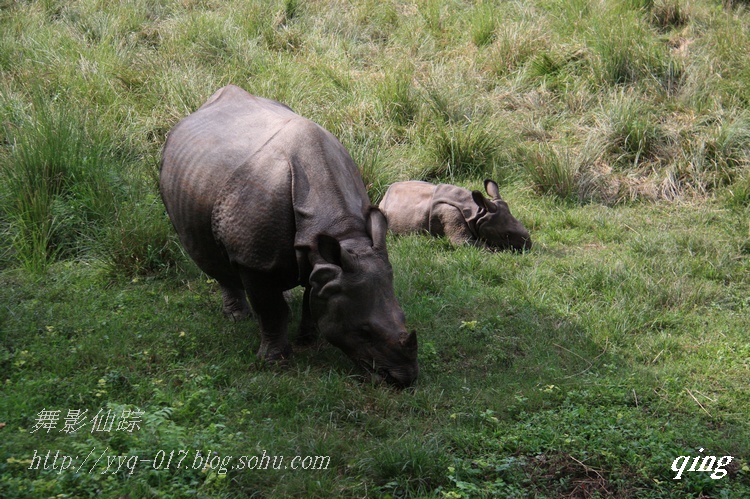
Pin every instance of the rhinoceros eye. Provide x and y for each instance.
(367, 332)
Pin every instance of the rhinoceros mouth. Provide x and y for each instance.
(383, 375)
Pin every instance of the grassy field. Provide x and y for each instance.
(598, 364)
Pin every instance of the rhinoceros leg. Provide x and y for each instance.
(235, 303)
(272, 312)
(307, 333)
(450, 221)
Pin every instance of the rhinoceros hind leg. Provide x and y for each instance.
(235, 303)
(307, 332)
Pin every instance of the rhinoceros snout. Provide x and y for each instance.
(525, 244)
(406, 380)
(395, 360)
(400, 378)
(520, 241)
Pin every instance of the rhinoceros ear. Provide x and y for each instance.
(325, 280)
(377, 225)
(329, 249)
(492, 189)
(483, 202)
(325, 277)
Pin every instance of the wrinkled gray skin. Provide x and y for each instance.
(264, 200)
(461, 215)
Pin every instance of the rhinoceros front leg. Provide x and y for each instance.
(449, 221)
(308, 332)
(272, 312)
(235, 303)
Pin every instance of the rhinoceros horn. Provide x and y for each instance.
(408, 340)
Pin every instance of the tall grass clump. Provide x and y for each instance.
(140, 240)
(462, 150)
(366, 151)
(629, 131)
(432, 17)
(720, 69)
(556, 71)
(546, 67)
(375, 21)
(739, 196)
(445, 104)
(625, 51)
(731, 4)
(669, 14)
(397, 97)
(552, 172)
(482, 25)
(717, 153)
(291, 9)
(727, 146)
(285, 34)
(457, 130)
(514, 44)
(210, 37)
(60, 184)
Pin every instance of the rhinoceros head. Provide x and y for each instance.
(496, 227)
(355, 307)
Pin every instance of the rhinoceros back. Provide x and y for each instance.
(407, 206)
(416, 206)
(247, 182)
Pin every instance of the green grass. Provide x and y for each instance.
(573, 365)
(619, 133)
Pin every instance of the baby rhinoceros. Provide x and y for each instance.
(461, 215)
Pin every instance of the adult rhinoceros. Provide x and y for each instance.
(452, 211)
(264, 200)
